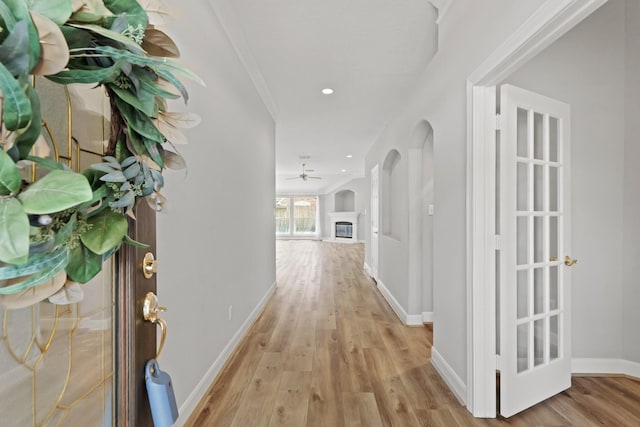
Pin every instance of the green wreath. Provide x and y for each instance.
(109, 43)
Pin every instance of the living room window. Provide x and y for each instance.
(296, 216)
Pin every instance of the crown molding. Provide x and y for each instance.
(229, 21)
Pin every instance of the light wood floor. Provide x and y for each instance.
(328, 351)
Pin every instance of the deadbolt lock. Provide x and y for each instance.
(149, 265)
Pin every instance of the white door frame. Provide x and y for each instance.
(552, 19)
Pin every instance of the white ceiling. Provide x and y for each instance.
(368, 51)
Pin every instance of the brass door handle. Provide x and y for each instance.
(568, 261)
(149, 265)
(150, 311)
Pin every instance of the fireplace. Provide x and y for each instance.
(344, 227)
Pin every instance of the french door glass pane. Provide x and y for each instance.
(538, 136)
(538, 188)
(553, 288)
(523, 294)
(304, 213)
(538, 291)
(522, 240)
(553, 188)
(523, 126)
(538, 342)
(523, 347)
(554, 338)
(523, 189)
(553, 139)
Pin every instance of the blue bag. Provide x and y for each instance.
(162, 400)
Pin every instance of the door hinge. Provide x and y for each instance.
(499, 122)
(498, 242)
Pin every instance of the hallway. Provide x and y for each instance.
(328, 351)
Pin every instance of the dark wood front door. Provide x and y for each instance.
(135, 337)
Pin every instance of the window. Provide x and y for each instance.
(301, 220)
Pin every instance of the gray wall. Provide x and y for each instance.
(631, 246)
(216, 242)
(469, 32)
(586, 68)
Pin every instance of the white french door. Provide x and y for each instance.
(375, 219)
(535, 283)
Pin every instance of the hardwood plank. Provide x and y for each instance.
(259, 396)
(361, 410)
(290, 408)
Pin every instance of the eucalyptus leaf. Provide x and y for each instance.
(154, 152)
(14, 50)
(9, 175)
(55, 192)
(106, 232)
(75, 37)
(30, 135)
(16, 111)
(58, 11)
(126, 201)
(173, 160)
(104, 167)
(83, 264)
(129, 161)
(14, 232)
(135, 140)
(115, 176)
(132, 171)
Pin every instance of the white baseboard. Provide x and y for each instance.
(368, 270)
(341, 240)
(190, 404)
(449, 376)
(605, 367)
(427, 317)
(407, 319)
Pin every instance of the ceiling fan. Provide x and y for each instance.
(303, 176)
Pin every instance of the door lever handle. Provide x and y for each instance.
(569, 262)
(150, 311)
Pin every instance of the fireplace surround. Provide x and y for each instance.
(344, 226)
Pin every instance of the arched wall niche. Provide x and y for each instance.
(421, 210)
(345, 201)
(391, 186)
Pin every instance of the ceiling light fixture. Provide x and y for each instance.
(327, 91)
(349, 156)
(344, 170)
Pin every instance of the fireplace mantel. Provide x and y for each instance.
(351, 217)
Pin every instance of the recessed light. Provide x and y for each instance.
(349, 156)
(344, 170)
(327, 91)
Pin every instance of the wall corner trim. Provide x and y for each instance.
(192, 401)
(605, 367)
(427, 317)
(449, 376)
